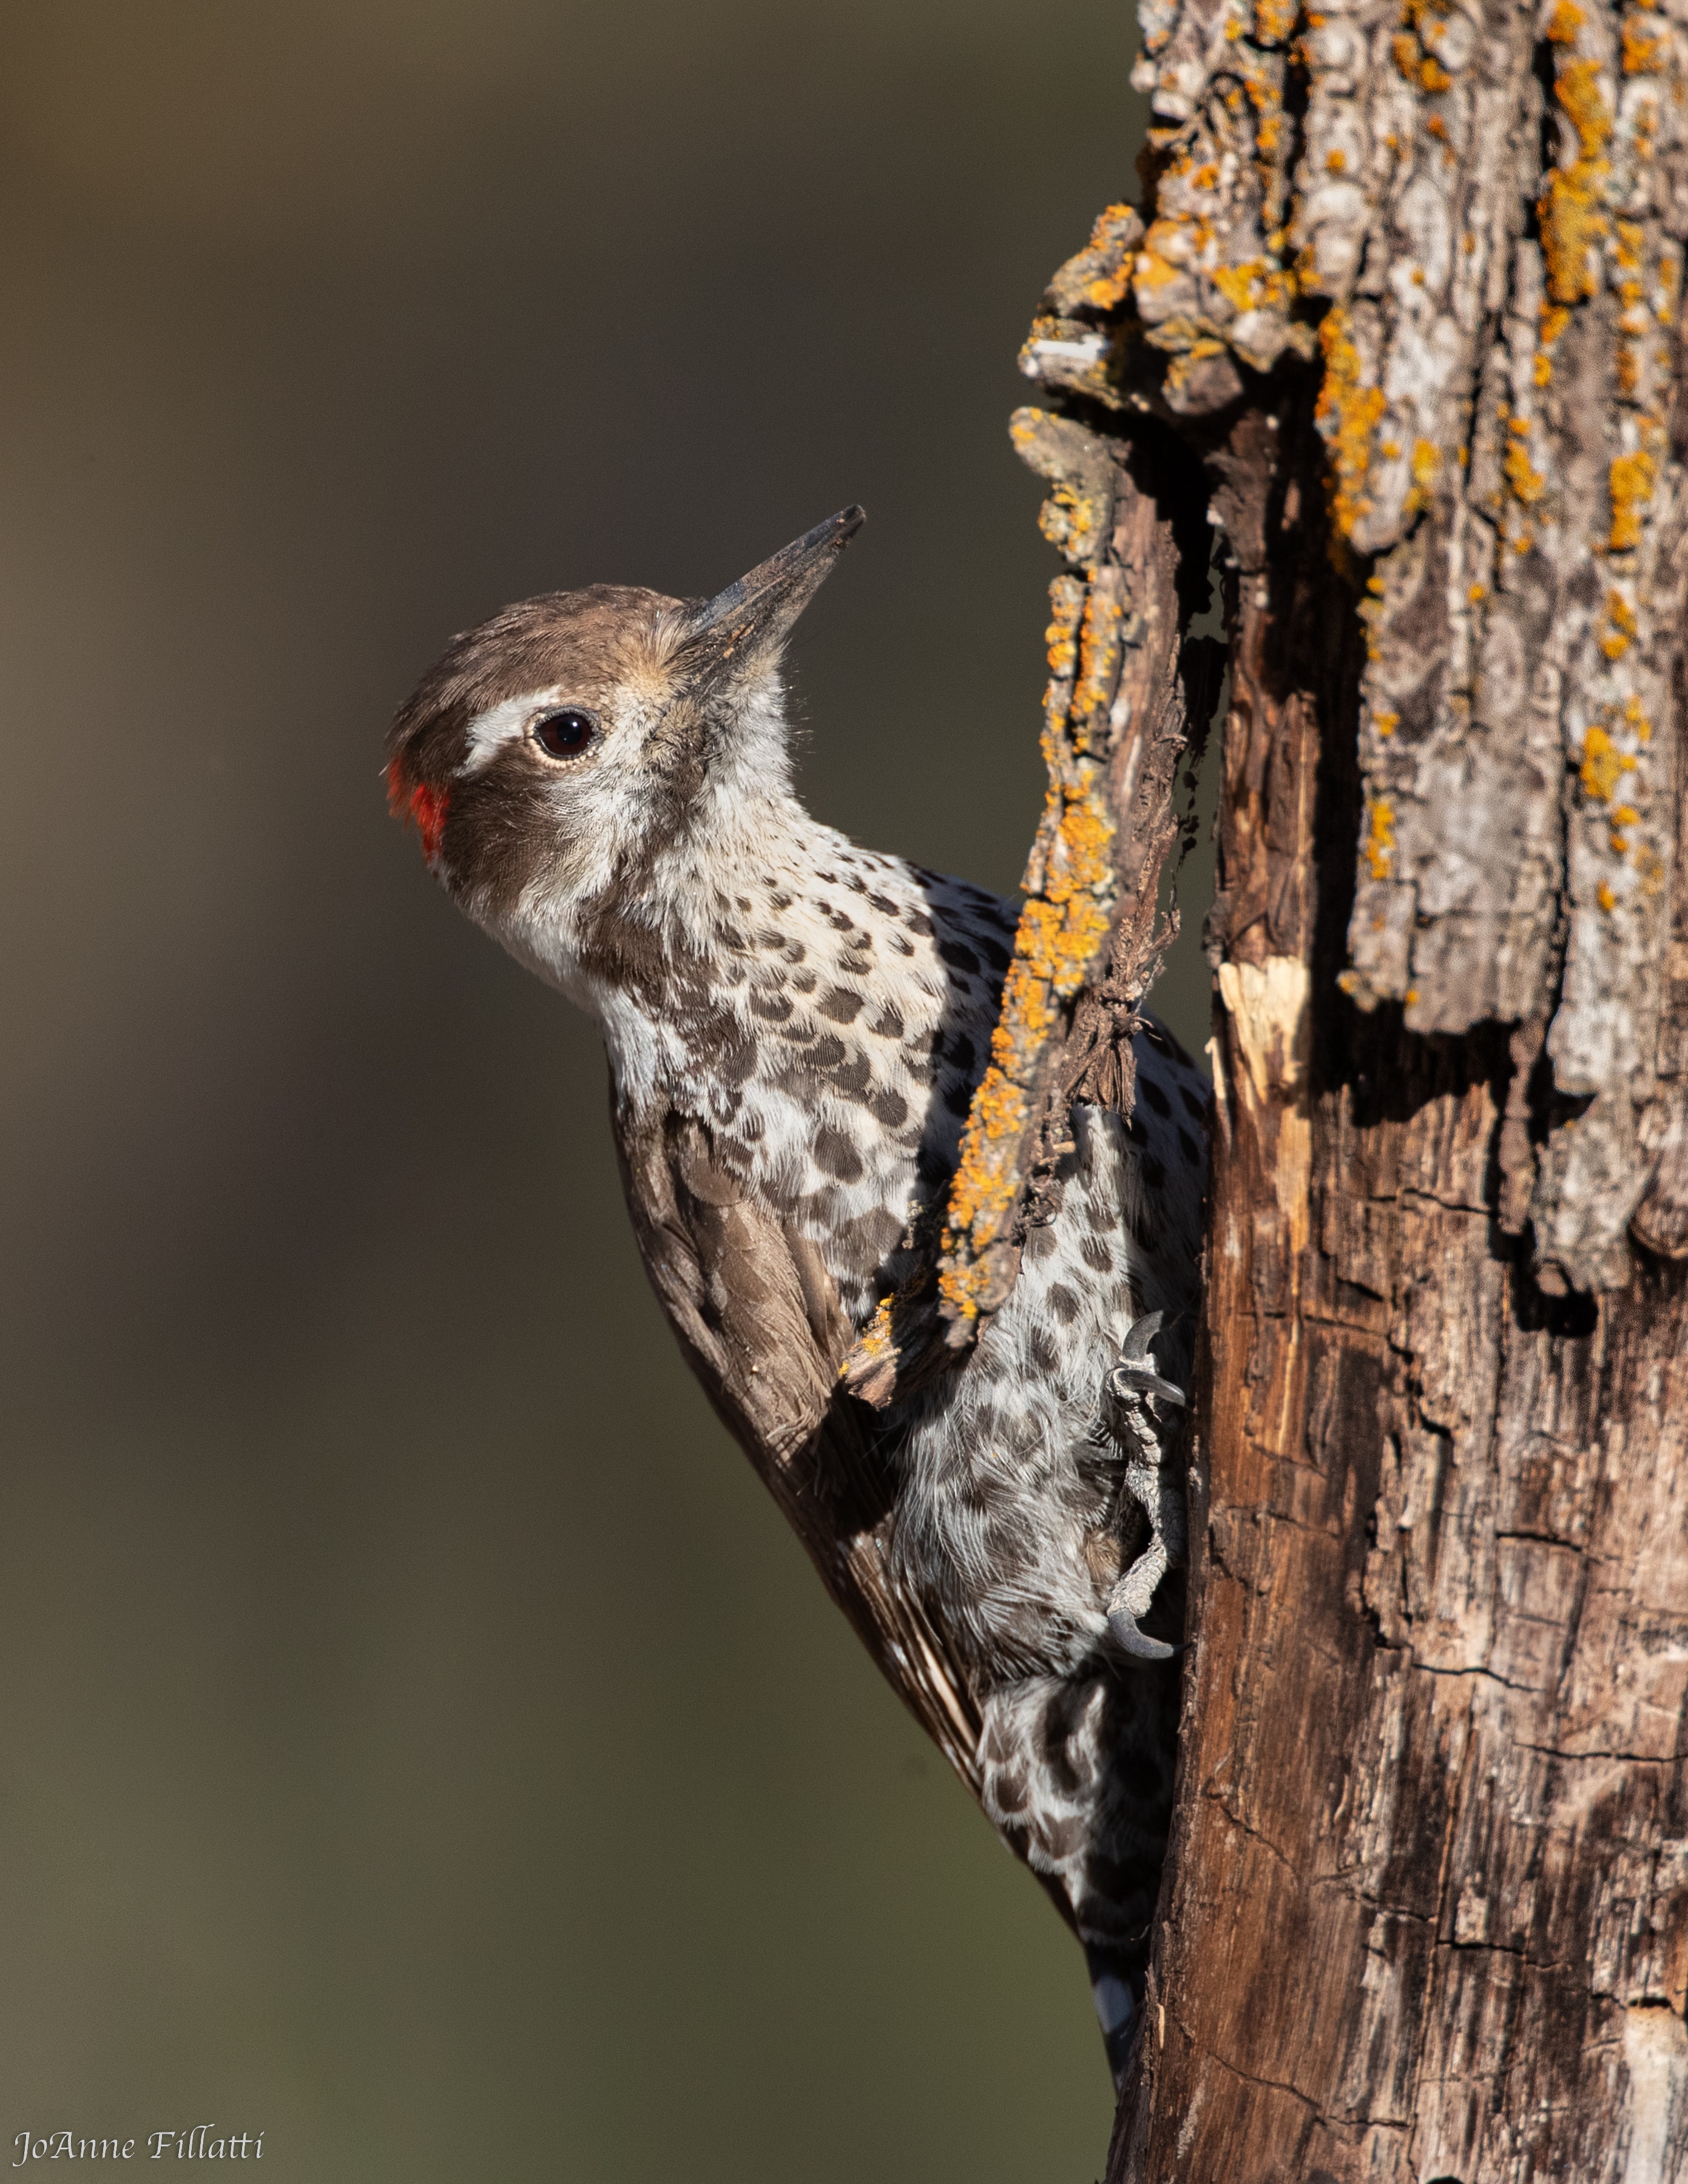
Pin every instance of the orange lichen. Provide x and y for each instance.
(1151, 268)
(1604, 896)
(1642, 50)
(877, 1339)
(1099, 649)
(1433, 76)
(1603, 765)
(1622, 616)
(1378, 847)
(1347, 412)
(1107, 291)
(1062, 928)
(1426, 462)
(1527, 482)
(1386, 724)
(1569, 207)
(1254, 284)
(1632, 488)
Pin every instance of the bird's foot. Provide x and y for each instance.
(1138, 1389)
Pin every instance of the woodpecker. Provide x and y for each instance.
(601, 779)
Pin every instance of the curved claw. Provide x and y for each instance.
(1138, 1643)
(1137, 1337)
(1127, 1380)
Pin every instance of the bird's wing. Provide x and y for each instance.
(760, 1320)
(756, 1311)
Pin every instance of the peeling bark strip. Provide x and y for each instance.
(1127, 691)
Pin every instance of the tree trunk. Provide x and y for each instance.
(1407, 283)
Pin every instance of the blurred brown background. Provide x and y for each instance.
(419, 1741)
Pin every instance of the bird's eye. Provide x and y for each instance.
(566, 734)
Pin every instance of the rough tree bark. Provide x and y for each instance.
(1407, 282)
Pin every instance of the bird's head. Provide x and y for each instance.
(567, 763)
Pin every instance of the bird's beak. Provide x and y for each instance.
(756, 614)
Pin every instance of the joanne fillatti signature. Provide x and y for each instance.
(195, 2145)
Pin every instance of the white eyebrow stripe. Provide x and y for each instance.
(502, 724)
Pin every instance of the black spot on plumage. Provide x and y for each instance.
(1198, 1112)
(1186, 1146)
(890, 1108)
(958, 1098)
(1156, 1097)
(1154, 1174)
(1044, 1355)
(804, 982)
(883, 905)
(997, 957)
(771, 941)
(853, 1077)
(1062, 1303)
(828, 1053)
(1039, 1241)
(960, 1050)
(917, 921)
(730, 936)
(1135, 1131)
(840, 1005)
(956, 956)
(887, 1024)
(1008, 1789)
(772, 1008)
(835, 1154)
(735, 1060)
(1096, 1255)
(903, 947)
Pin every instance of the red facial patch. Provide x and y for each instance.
(425, 808)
